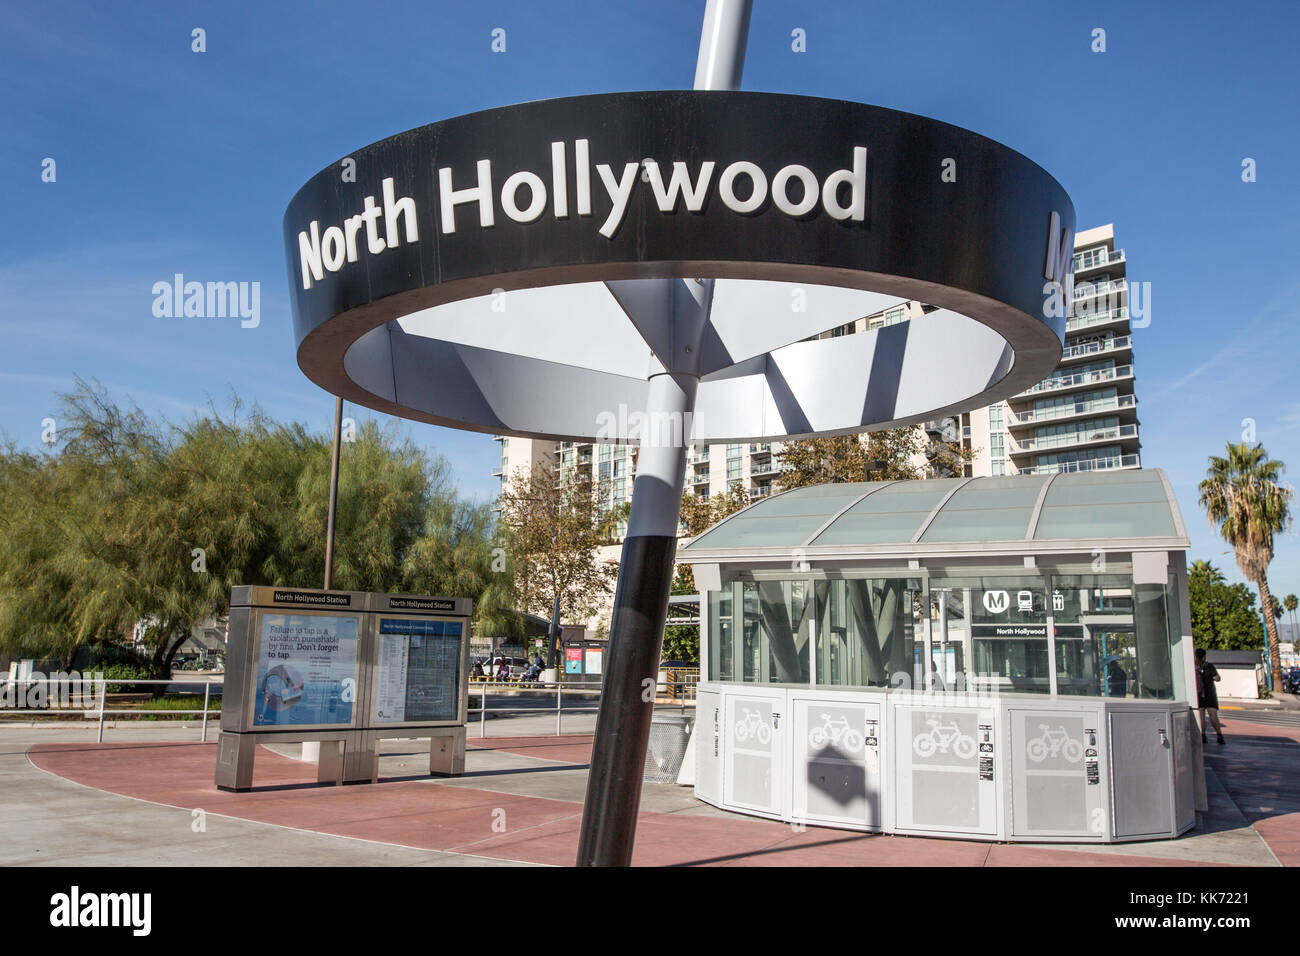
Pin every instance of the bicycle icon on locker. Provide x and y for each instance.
(1051, 743)
(944, 738)
(753, 725)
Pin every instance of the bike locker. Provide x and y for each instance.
(1059, 783)
(947, 766)
(837, 767)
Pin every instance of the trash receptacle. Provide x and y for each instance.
(669, 735)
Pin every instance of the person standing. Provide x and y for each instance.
(1207, 695)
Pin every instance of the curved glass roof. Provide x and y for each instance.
(1078, 506)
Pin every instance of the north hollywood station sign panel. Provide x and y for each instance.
(730, 185)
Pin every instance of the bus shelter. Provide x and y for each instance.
(1005, 658)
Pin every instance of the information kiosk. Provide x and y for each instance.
(344, 669)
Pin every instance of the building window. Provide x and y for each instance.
(894, 316)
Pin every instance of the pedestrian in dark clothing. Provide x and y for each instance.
(1207, 695)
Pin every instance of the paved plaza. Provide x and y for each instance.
(145, 797)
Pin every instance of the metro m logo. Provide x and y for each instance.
(996, 602)
(1058, 270)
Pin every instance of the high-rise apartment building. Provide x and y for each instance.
(1084, 416)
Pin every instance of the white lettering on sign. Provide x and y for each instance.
(742, 187)
(1059, 267)
(319, 254)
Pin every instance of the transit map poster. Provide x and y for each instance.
(306, 670)
(417, 670)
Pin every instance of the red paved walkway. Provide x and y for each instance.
(420, 814)
(1260, 767)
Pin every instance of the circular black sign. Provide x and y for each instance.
(731, 185)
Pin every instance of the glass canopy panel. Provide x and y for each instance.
(784, 520)
(1097, 488)
(891, 515)
(993, 509)
(787, 531)
(1112, 520)
(872, 529)
(994, 524)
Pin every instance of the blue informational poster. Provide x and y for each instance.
(306, 670)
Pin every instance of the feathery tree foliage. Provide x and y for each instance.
(132, 521)
(875, 456)
(552, 531)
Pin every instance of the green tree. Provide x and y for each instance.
(887, 455)
(133, 521)
(1291, 603)
(1247, 504)
(682, 641)
(552, 532)
(1223, 615)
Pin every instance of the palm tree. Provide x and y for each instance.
(1246, 503)
(1290, 604)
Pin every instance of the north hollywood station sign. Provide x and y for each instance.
(340, 245)
(810, 213)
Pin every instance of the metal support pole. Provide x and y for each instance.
(334, 494)
(482, 711)
(559, 706)
(646, 570)
(207, 695)
(103, 696)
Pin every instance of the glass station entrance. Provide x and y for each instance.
(1033, 662)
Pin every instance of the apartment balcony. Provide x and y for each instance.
(1099, 319)
(765, 448)
(760, 491)
(699, 457)
(1083, 438)
(1118, 345)
(1089, 290)
(1107, 258)
(1088, 464)
(1121, 377)
(767, 467)
(700, 477)
(1124, 406)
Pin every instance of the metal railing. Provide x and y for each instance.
(98, 713)
(1101, 317)
(1030, 416)
(1087, 464)
(1104, 259)
(680, 688)
(1083, 378)
(1080, 437)
(1117, 343)
(1090, 289)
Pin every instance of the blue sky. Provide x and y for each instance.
(173, 161)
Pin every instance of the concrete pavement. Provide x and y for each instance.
(132, 801)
